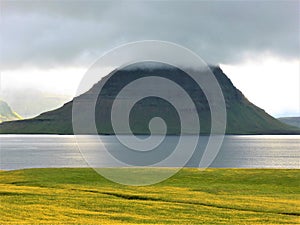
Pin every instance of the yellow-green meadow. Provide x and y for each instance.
(192, 196)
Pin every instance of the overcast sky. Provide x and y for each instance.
(49, 44)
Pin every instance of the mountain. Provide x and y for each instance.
(6, 113)
(293, 121)
(30, 103)
(243, 117)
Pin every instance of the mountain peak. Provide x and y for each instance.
(243, 117)
(6, 113)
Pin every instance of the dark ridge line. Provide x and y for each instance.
(10, 193)
(143, 198)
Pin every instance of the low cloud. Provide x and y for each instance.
(57, 34)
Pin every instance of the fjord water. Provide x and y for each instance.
(251, 151)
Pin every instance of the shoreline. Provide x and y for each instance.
(167, 168)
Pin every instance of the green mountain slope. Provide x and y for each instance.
(243, 117)
(293, 121)
(6, 113)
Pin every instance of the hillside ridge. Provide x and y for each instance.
(243, 117)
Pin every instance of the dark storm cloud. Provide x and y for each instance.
(74, 33)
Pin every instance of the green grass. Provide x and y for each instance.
(213, 196)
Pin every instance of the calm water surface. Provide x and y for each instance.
(257, 151)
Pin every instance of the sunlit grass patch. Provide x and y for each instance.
(213, 196)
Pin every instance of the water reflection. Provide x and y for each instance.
(36, 151)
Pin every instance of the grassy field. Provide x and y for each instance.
(213, 196)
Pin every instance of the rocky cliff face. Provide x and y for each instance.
(243, 117)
